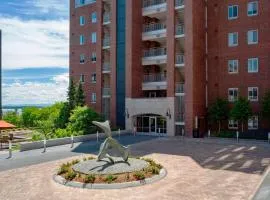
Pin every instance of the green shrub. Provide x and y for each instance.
(139, 175)
(110, 178)
(64, 168)
(70, 175)
(225, 134)
(152, 163)
(90, 178)
(153, 169)
(91, 158)
(74, 162)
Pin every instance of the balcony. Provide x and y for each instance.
(106, 18)
(154, 31)
(180, 60)
(154, 82)
(179, 118)
(154, 56)
(106, 67)
(151, 7)
(106, 92)
(179, 89)
(106, 43)
(179, 31)
(179, 4)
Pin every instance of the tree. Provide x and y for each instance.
(266, 106)
(71, 95)
(79, 97)
(46, 128)
(81, 120)
(241, 111)
(29, 116)
(218, 111)
(63, 118)
(13, 118)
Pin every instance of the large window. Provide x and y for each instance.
(94, 37)
(252, 9)
(253, 93)
(253, 65)
(232, 94)
(82, 20)
(233, 66)
(94, 78)
(232, 39)
(94, 17)
(253, 123)
(233, 124)
(232, 12)
(252, 36)
(82, 78)
(82, 41)
(94, 57)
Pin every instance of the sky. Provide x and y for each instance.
(35, 50)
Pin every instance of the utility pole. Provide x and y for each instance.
(1, 109)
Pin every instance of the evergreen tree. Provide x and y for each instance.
(241, 111)
(79, 97)
(71, 95)
(218, 111)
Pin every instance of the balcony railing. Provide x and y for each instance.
(154, 78)
(106, 91)
(106, 67)
(179, 88)
(180, 117)
(180, 29)
(106, 18)
(155, 52)
(179, 3)
(179, 59)
(153, 27)
(106, 42)
(149, 3)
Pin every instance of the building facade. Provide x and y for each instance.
(167, 60)
(97, 55)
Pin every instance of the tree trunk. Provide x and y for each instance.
(242, 127)
(219, 126)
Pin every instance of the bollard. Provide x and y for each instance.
(183, 133)
(134, 131)
(97, 137)
(159, 132)
(237, 136)
(269, 137)
(209, 133)
(10, 148)
(44, 144)
(72, 141)
(119, 133)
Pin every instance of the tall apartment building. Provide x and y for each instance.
(97, 54)
(176, 58)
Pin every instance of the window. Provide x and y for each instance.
(94, 37)
(82, 60)
(94, 78)
(233, 66)
(94, 57)
(252, 37)
(232, 94)
(252, 8)
(82, 2)
(82, 20)
(253, 65)
(82, 78)
(233, 12)
(233, 39)
(82, 40)
(233, 124)
(94, 17)
(94, 98)
(253, 93)
(253, 123)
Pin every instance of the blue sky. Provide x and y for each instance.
(35, 50)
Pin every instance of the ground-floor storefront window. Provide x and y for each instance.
(151, 124)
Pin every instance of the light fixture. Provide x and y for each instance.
(168, 113)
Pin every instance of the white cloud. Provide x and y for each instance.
(35, 92)
(34, 43)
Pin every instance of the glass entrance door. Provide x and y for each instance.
(152, 124)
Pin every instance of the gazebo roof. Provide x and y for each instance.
(5, 125)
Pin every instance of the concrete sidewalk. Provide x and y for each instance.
(263, 192)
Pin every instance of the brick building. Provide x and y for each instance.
(158, 64)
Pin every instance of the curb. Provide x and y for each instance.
(62, 181)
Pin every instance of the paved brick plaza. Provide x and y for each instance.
(195, 171)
